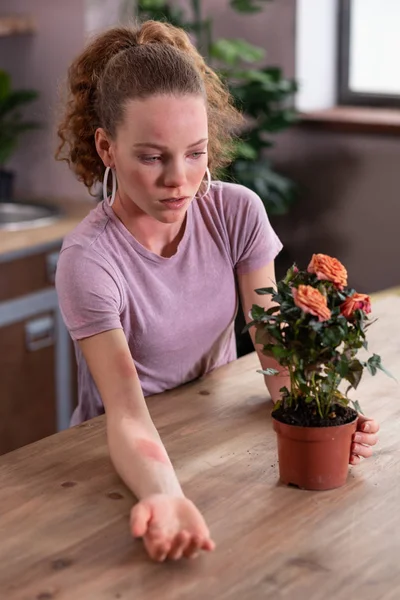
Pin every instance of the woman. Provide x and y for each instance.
(148, 282)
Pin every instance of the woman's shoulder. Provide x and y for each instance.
(234, 197)
(234, 201)
(88, 231)
(231, 189)
(85, 253)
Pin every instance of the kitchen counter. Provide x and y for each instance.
(15, 244)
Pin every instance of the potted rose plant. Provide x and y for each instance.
(315, 329)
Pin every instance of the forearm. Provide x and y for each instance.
(274, 382)
(140, 458)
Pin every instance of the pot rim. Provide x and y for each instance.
(316, 427)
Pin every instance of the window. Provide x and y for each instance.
(369, 52)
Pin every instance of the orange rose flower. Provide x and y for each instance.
(311, 301)
(328, 269)
(354, 302)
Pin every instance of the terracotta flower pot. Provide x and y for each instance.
(314, 458)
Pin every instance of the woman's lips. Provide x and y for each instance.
(174, 203)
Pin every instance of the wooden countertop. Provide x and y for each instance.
(25, 240)
(64, 512)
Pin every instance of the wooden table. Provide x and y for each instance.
(64, 513)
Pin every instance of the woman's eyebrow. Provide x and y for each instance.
(159, 147)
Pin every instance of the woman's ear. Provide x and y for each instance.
(104, 147)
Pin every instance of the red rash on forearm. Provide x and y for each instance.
(152, 450)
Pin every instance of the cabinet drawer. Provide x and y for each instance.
(32, 273)
(27, 381)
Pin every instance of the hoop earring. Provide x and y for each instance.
(208, 185)
(110, 201)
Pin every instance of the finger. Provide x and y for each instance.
(208, 545)
(175, 546)
(182, 539)
(193, 548)
(360, 450)
(140, 517)
(355, 460)
(369, 439)
(162, 551)
(156, 550)
(367, 425)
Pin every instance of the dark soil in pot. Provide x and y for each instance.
(306, 415)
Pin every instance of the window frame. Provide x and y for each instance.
(344, 94)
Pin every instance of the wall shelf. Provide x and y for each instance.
(16, 25)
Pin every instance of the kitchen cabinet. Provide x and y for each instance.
(37, 367)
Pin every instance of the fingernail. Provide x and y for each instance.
(366, 427)
(357, 437)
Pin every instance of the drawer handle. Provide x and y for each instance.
(51, 265)
(39, 333)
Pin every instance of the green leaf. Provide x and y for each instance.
(280, 352)
(15, 100)
(291, 274)
(375, 363)
(315, 325)
(355, 373)
(246, 151)
(247, 6)
(332, 336)
(151, 4)
(5, 84)
(7, 148)
(342, 368)
(234, 52)
(357, 406)
(257, 312)
(248, 326)
(267, 290)
(268, 371)
(276, 191)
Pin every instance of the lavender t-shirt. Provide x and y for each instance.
(177, 313)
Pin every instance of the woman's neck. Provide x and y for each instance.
(160, 238)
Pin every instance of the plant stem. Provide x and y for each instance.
(316, 395)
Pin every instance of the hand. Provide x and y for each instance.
(363, 439)
(171, 527)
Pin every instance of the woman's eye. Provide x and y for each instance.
(197, 154)
(150, 159)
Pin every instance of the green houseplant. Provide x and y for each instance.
(262, 93)
(12, 125)
(315, 329)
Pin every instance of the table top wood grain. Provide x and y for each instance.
(64, 512)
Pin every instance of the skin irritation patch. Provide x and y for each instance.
(152, 450)
(125, 366)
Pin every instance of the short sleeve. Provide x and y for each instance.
(89, 293)
(253, 241)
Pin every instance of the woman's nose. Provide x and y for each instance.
(175, 175)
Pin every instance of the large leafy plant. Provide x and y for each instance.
(315, 329)
(262, 93)
(12, 123)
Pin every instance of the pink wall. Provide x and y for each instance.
(40, 61)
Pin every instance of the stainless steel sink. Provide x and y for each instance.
(15, 216)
